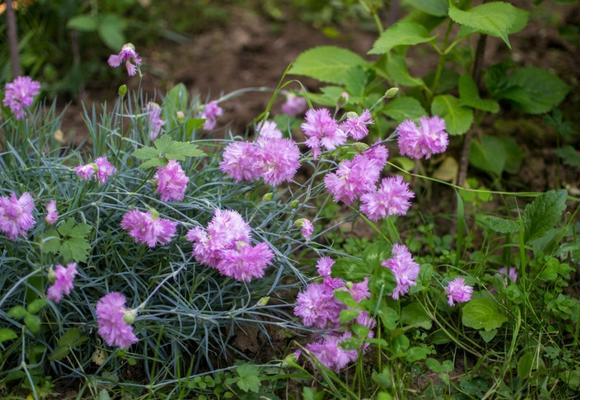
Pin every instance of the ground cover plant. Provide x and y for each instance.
(363, 237)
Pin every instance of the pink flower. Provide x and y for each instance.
(268, 130)
(148, 228)
(458, 292)
(225, 246)
(63, 284)
(154, 120)
(403, 267)
(16, 215)
(353, 178)
(378, 153)
(101, 169)
(418, 142)
(392, 198)
(306, 228)
(324, 265)
(51, 212)
(128, 56)
(318, 307)
(171, 181)
(211, 112)
(357, 126)
(322, 130)
(278, 160)
(110, 313)
(511, 273)
(360, 290)
(19, 95)
(241, 161)
(329, 352)
(293, 105)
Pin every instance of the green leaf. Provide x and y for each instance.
(36, 306)
(76, 249)
(525, 365)
(469, 96)
(402, 108)
(7, 334)
(50, 241)
(348, 315)
(155, 162)
(458, 118)
(111, 31)
(146, 153)
(389, 317)
(534, 90)
(414, 315)
(17, 312)
(356, 81)
(514, 154)
(249, 378)
(33, 323)
(487, 336)
(544, 213)
(392, 66)
(438, 8)
(488, 154)
(483, 313)
(181, 150)
(402, 33)
(345, 297)
(418, 353)
(326, 63)
(497, 19)
(497, 224)
(70, 340)
(83, 23)
(383, 378)
(175, 100)
(569, 155)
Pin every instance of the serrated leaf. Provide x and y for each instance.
(393, 67)
(487, 336)
(348, 315)
(458, 118)
(345, 297)
(483, 313)
(418, 353)
(356, 81)
(569, 155)
(76, 249)
(155, 162)
(146, 153)
(544, 213)
(181, 150)
(50, 241)
(248, 378)
(83, 23)
(326, 63)
(497, 224)
(438, 8)
(402, 33)
(402, 108)
(469, 96)
(496, 18)
(72, 338)
(7, 334)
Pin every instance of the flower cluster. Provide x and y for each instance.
(293, 105)
(510, 273)
(392, 198)
(171, 181)
(211, 112)
(101, 169)
(404, 269)
(225, 245)
(328, 350)
(19, 95)
(128, 56)
(271, 157)
(422, 141)
(357, 126)
(111, 314)
(322, 131)
(148, 228)
(458, 291)
(63, 281)
(16, 215)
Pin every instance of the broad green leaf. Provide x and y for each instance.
(525, 365)
(146, 153)
(345, 297)
(248, 378)
(155, 162)
(514, 154)
(418, 353)
(111, 31)
(497, 19)
(348, 315)
(71, 339)
(488, 154)
(7, 334)
(356, 81)
(469, 96)
(438, 8)
(83, 23)
(535, 90)
(497, 224)
(181, 150)
(75, 249)
(402, 108)
(393, 67)
(487, 336)
(329, 96)
(383, 378)
(483, 313)
(326, 63)
(458, 118)
(544, 213)
(175, 100)
(402, 33)
(414, 315)
(569, 155)
(389, 317)
(50, 241)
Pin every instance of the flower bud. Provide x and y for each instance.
(263, 301)
(351, 114)
(360, 146)
(267, 197)
(299, 222)
(51, 275)
(122, 90)
(391, 93)
(343, 99)
(180, 116)
(291, 360)
(294, 203)
(129, 316)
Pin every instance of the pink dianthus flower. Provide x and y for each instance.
(318, 307)
(51, 212)
(278, 160)
(357, 126)
(329, 352)
(127, 55)
(404, 269)
(16, 215)
(101, 169)
(110, 314)
(511, 273)
(322, 130)
(422, 141)
(458, 291)
(241, 161)
(246, 262)
(293, 105)
(324, 265)
(154, 120)
(63, 284)
(306, 228)
(353, 178)
(19, 95)
(148, 228)
(268, 130)
(211, 112)
(392, 198)
(171, 181)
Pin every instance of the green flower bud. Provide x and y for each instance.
(129, 316)
(291, 360)
(267, 197)
(351, 114)
(294, 203)
(51, 275)
(263, 301)
(343, 99)
(180, 116)
(122, 90)
(299, 222)
(391, 93)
